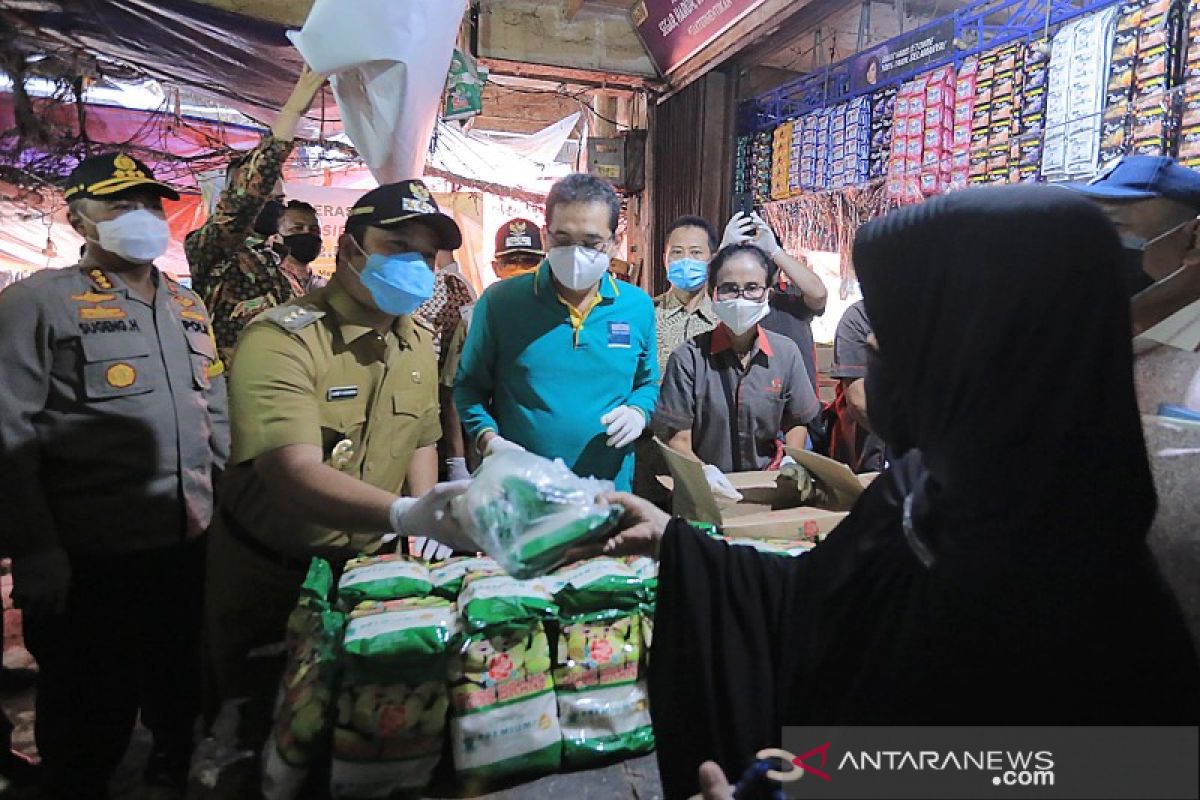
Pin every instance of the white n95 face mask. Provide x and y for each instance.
(740, 314)
(577, 268)
(138, 236)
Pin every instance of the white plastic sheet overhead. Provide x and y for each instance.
(388, 60)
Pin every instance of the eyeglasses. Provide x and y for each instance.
(751, 291)
(563, 240)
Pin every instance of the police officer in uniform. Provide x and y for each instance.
(112, 427)
(334, 412)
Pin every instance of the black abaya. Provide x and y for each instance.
(1020, 591)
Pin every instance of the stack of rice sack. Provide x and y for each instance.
(602, 702)
(883, 108)
(1189, 124)
(392, 702)
(1158, 58)
(1031, 119)
(304, 713)
(781, 157)
(1076, 90)
(504, 717)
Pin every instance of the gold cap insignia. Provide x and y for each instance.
(126, 167)
(517, 228)
(419, 191)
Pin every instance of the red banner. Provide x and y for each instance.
(675, 30)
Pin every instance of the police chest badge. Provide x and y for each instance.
(120, 376)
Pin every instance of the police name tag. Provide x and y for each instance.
(619, 335)
(341, 393)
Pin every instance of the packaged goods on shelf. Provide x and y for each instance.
(781, 156)
(1078, 85)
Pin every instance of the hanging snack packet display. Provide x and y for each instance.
(304, 709)
(505, 721)
(392, 705)
(760, 171)
(741, 165)
(447, 577)
(883, 107)
(602, 703)
(386, 577)
(526, 512)
(1189, 124)
(781, 156)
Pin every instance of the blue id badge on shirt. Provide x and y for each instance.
(619, 335)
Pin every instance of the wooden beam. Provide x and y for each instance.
(578, 77)
(291, 13)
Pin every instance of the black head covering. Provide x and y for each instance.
(1005, 355)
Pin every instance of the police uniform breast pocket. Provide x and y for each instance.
(408, 407)
(343, 423)
(115, 366)
(205, 365)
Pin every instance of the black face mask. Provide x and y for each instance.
(267, 221)
(304, 247)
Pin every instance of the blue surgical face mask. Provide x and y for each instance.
(688, 274)
(398, 283)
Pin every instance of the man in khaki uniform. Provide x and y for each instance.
(334, 412)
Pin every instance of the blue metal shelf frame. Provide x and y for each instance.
(978, 26)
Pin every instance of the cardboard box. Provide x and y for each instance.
(769, 508)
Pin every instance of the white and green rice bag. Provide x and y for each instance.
(602, 703)
(487, 600)
(448, 576)
(505, 719)
(386, 577)
(392, 706)
(304, 709)
(597, 584)
(778, 547)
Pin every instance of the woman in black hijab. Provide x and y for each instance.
(997, 573)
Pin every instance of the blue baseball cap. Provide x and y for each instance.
(1143, 178)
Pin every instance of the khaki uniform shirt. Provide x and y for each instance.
(676, 324)
(112, 415)
(314, 372)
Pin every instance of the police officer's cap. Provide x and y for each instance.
(519, 236)
(393, 203)
(108, 176)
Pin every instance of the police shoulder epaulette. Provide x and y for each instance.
(292, 318)
(421, 322)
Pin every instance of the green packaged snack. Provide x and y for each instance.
(505, 721)
(304, 709)
(413, 628)
(488, 600)
(773, 546)
(448, 576)
(526, 512)
(387, 577)
(392, 706)
(646, 568)
(597, 584)
(602, 703)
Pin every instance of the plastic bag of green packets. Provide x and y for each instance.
(526, 512)
(504, 719)
(602, 703)
(386, 577)
(391, 712)
(304, 710)
(595, 585)
(448, 576)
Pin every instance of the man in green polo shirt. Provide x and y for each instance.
(561, 362)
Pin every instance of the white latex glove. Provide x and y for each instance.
(786, 461)
(740, 229)
(624, 424)
(720, 485)
(763, 237)
(499, 444)
(430, 549)
(456, 469)
(429, 516)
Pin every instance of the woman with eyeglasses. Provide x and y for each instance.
(729, 392)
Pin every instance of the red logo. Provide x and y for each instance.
(799, 761)
(811, 528)
(602, 651)
(500, 668)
